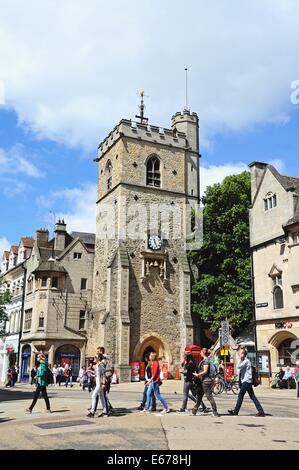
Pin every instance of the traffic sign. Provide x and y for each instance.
(224, 333)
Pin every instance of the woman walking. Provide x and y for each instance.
(204, 383)
(41, 383)
(189, 368)
(100, 390)
(55, 372)
(147, 376)
(154, 384)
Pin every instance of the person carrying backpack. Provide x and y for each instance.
(247, 378)
(41, 383)
(205, 375)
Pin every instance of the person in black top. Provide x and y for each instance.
(190, 383)
(33, 374)
(205, 383)
(189, 369)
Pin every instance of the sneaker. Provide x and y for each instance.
(232, 412)
(28, 410)
(194, 411)
(205, 411)
(140, 408)
(165, 411)
(103, 415)
(181, 410)
(260, 415)
(47, 411)
(145, 412)
(153, 410)
(216, 414)
(90, 415)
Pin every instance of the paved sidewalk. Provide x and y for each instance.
(68, 428)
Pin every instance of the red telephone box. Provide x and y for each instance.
(229, 371)
(165, 369)
(142, 370)
(195, 351)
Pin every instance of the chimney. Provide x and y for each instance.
(257, 172)
(60, 234)
(42, 237)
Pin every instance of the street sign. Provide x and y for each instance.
(224, 352)
(224, 335)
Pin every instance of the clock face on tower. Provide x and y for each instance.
(155, 242)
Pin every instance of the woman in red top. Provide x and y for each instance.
(154, 384)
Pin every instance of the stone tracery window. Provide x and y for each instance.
(153, 175)
(270, 201)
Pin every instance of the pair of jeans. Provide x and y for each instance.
(99, 392)
(69, 380)
(154, 387)
(144, 398)
(298, 389)
(247, 388)
(43, 390)
(186, 390)
(205, 388)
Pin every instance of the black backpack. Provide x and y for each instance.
(255, 377)
(49, 376)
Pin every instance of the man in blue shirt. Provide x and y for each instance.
(245, 368)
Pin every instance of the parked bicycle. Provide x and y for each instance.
(221, 385)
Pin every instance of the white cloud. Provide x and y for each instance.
(80, 207)
(71, 68)
(216, 173)
(278, 164)
(15, 161)
(4, 246)
(212, 174)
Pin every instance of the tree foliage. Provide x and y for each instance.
(223, 289)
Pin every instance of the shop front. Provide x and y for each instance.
(25, 363)
(278, 346)
(69, 354)
(9, 355)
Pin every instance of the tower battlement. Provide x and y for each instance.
(146, 132)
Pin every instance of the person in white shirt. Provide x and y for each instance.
(55, 372)
(245, 368)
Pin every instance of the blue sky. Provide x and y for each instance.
(67, 80)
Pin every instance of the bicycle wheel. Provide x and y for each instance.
(218, 388)
(235, 388)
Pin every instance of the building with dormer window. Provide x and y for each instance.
(59, 279)
(12, 278)
(274, 227)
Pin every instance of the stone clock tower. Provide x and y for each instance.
(148, 176)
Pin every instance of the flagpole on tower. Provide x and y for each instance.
(186, 90)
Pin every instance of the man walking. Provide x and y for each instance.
(41, 383)
(246, 380)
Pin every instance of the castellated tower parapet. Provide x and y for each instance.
(187, 123)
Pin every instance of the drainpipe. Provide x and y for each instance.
(253, 305)
(22, 315)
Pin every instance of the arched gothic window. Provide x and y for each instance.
(278, 298)
(153, 175)
(108, 173)
(285, 352)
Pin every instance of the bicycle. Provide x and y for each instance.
(222, 384)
